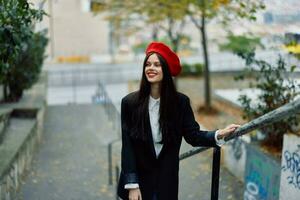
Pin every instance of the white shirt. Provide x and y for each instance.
(153, 108)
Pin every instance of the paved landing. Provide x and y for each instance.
(72, 160)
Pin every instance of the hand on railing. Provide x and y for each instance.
(271, 117)
(228, 130)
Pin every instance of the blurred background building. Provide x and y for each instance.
(74, 30)
(77, 34)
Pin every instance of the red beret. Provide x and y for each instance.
(170, 56)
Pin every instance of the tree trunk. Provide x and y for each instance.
(154, 33)
(175, 43)
(207, 93)
(5, 92)
(15, 93)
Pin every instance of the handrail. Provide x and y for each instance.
(115, 116)
(89, 76)
(111, 110)
(192, 152)
(266, 119)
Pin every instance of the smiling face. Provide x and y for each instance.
(153, 69)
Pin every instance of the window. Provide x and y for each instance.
(97, 5)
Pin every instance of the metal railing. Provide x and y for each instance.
(229, 62)
(91, 76)
(114, 116)
(276, 115)
(112, 112)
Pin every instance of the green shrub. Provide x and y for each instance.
(17, 46)
(276, 90)
(241, 44)
(28, 66)
(140, 48)
(191, 69)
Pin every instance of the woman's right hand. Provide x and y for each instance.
(135, 194)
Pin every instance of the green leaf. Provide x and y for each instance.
(293, 68)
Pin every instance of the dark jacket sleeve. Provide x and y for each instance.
(128, 162)
(191, 129)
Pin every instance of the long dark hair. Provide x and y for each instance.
(168, 104)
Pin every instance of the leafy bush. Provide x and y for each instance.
(28, 66)
(276, 90)
(241, 44)
(18, 46)
(191, 69)
(140, 48)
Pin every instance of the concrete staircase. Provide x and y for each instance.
(72, 161)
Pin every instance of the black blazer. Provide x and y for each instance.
(139, 162)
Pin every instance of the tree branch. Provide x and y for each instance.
(197, 24)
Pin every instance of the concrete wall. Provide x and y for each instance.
(234, 158)
(10, 182)
(290, 168)
(20, 144)
(75, 31)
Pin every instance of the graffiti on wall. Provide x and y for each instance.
(262, 176)
(290, 168)
(291, 165)
(251, 192)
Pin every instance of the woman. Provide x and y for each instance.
(154, 119)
